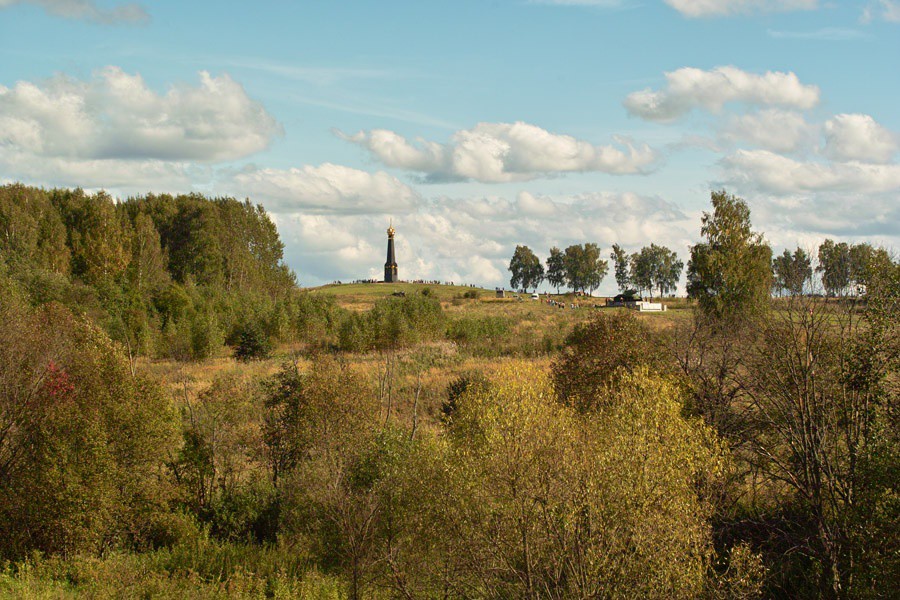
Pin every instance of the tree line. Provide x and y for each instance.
(844, 269)
(581, 268)
(174, 276)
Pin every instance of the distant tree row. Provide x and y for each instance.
(653, 267)
(844, 268)
(728, 269)
(580, 268)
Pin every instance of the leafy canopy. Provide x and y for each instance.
(729, 274)
(526, 268)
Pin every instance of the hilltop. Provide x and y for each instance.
(362, 295)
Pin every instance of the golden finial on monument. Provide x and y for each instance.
(391, 231)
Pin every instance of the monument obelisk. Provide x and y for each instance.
(390, 266)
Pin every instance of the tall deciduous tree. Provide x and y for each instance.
(730, 274)
(792, 271)
(147, 269)
(620, 260)
(656, 266)
(556, 268)
(665, 269)
(834, 265)
(99, 235)
(31, 230)
(585, 269)
(330, 490)
(865, 261)
(526, 268)
(641, 271)
(821, 394)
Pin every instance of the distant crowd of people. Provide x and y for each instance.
(420, 281)
(559, 304)
(436, 282)
(339, 282)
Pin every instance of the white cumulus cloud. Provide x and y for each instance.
(86, 10)
(720, 8)
(121, 176)
(859, 137)
(327, 189)
(689, 88)
(116, 115)
(767, 171)
(114, 122)
(772, 129)
(502, 152)
(800, 216)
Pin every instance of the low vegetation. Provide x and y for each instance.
(179, 420)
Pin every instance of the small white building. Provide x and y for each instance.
(644, 306)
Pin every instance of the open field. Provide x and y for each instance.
(523, 328)
(360, 296)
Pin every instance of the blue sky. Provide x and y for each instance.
(475, 126)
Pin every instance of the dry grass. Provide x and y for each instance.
(193, 377)
(362, 296)
(536, 330)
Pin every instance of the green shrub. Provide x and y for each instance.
(48, 286)
(173, 302)
(473, 329)
(455, 390)
(597, 352)
(394, 322)
(248, 513)
(355, 334)
(199, 569)
(314, 319)
(86, 438)
(206, 337)
(252, 343)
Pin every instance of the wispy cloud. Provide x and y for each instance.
(372, 109)
(826, 34)
(597, 3)
(887, 10)
(315, 75)
(87, 10)
(724, 8)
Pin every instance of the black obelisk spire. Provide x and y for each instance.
(390, 266)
